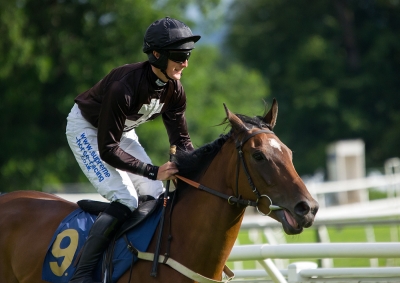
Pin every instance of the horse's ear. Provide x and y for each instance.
(270, 117)
(236, 123)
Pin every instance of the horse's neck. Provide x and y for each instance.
(212, 224)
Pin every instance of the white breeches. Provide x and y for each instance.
(113, 184)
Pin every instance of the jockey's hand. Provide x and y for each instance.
(167, 171)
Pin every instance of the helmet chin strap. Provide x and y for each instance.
(165, 74)
(160, 62)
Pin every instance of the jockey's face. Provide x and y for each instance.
(174, 69)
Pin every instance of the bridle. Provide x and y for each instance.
(237, 199)
(239, 145)
(156, 257)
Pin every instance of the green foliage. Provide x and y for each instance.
(332, 65)
(52, 51)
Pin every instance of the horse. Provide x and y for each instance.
(248, 165)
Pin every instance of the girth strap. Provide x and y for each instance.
(178, 266)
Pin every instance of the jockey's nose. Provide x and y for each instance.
(185, 63)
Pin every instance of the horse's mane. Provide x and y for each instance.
(191, 164)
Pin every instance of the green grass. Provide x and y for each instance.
(336, 235)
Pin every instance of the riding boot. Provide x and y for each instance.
(100, 234)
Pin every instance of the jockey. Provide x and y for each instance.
(101, 131)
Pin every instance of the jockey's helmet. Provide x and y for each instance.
(164, 35)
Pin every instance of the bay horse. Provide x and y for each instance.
(247, 166)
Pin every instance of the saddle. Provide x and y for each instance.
(74, 228)
(147, 204)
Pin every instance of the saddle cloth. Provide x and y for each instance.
(69, 238)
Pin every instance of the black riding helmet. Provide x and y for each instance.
(164, 35)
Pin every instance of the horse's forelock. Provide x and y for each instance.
(256, 121)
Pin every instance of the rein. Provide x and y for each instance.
(165, 259)
(233, 199)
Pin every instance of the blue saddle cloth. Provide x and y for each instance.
(69, 238)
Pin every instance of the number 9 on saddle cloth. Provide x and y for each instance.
(71, 234)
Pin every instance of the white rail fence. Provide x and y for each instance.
(273, 257)
(308, 271)
(389, 183)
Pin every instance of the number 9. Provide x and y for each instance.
(67, 252)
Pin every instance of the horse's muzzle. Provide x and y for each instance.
(303, 217)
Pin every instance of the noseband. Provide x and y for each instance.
(237, 199)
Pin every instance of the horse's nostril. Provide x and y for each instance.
(302, 208)
(315, 210)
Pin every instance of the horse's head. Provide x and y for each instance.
(266, 172)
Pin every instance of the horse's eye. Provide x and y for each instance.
(258, 156)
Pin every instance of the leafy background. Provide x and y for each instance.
(333, 66)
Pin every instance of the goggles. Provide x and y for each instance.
(179, 56)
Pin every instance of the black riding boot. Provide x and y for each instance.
(100, 234)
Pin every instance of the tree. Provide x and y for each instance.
(332, 65)
(50, 51)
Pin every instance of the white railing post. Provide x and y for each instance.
(272, 271)
(294, 269)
